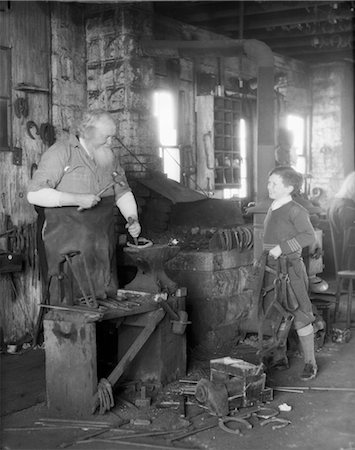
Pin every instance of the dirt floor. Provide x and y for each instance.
(321, 416)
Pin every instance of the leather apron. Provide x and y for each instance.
(90, 232)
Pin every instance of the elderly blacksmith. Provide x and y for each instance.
(66, 185)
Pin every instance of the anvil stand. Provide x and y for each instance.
(164, 357)
(151, 276)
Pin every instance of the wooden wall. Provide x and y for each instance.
(24, 28)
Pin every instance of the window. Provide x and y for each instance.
(242, 191)
(296, 125)
(165, 112)
(5, 99)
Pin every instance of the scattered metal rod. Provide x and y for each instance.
(49, 428)
(86, 422)
(296, 391)
(134, 444)
(83, 424)
(196, 430)
(137, 435)
(73, 425)
(84, 438)
(315, 388)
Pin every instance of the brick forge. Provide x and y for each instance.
(120, 80)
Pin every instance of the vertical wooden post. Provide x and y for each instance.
(266, 130)
(71, 369)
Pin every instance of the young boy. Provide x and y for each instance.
(287, 229)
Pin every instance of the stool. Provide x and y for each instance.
(341, 276)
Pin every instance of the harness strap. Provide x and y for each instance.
(280, 289)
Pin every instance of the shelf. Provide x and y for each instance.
(30, 88)
(221, 116)
(226, 116)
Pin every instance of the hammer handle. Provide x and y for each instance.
(106, 188)
(100, 193)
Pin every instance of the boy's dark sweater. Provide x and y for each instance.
(290, 227)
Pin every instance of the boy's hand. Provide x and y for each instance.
(275, 252)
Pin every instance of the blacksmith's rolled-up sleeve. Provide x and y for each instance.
(50, 169)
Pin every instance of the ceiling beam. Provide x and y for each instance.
(278, 6)
(329, 29)
(262, 22)
(344, 42)
(315, 51)
(222, 10)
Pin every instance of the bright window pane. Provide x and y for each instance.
(164, 110)
(296, 125)
(242, 192)
(171, 162)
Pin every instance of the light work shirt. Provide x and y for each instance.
(67, 167)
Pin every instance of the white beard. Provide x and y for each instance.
(104, 157)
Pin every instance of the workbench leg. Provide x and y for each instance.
(71, 368)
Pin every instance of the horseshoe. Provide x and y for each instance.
(236, 235)
(222, 421)
(30, 124)
(142, 243)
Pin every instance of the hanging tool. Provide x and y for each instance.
(90, 301)
(114, 181)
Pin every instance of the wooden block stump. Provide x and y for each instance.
(71, 369)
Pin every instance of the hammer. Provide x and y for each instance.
(108, 186)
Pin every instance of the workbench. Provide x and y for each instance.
(147, 348)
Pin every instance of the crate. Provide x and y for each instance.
(245, 382)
